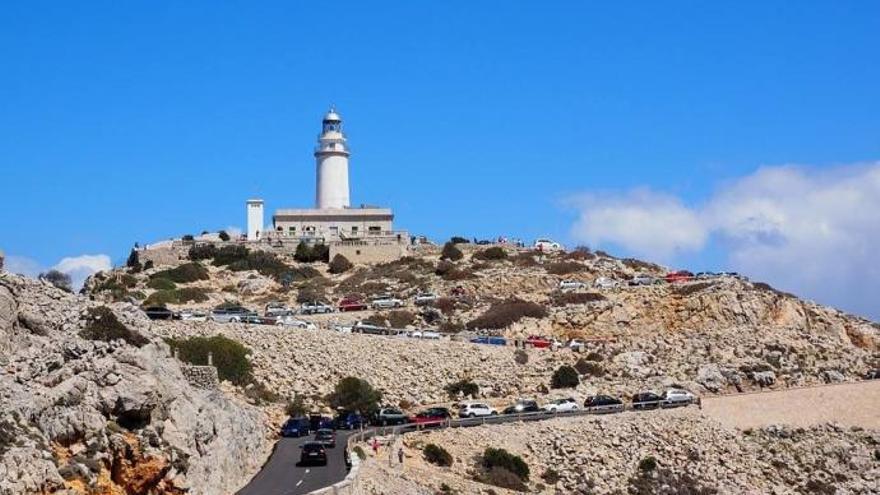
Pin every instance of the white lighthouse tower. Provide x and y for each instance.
(331, 157)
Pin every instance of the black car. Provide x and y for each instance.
(873, 375)
(603, 404)
(313, 453)
(525, 406)
(646, 400)
(158, 313)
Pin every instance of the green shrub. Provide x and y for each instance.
(437, 455)
(464, 387)
(565, 377)
(564, 267)
(229, 357)
(520, 356)
(500, 458)
(594, 356)
(267, 264)
(202, 252)
(359, 452)
(400, 318)
(296, 407)
(227, 255)
(580, 253)
(502, 478)
(161, 284)
(340, 264)
(355, 394)
(148, 265)
(551, 476)
(449, 271)
(648, 463)
(587, 367)
(450, 252)
(665, 481)
(188, 272)
(494, 253)
(223, 236)
(306, 253)
(503, 314)
(260, 394)
(101, 324)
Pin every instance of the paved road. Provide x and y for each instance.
(282, 476)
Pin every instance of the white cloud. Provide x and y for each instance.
(22, 265)
(80, 267)
(812, 232)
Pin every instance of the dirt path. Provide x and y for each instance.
(850, 404)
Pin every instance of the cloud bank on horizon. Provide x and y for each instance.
(78, 267)
(812, 232)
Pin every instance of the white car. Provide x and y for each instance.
(386, 302)
(342, 328)
(424, 334)
(678, 397)
(289, 321)
(561, 406)
(193, 316)
(642, 279)
(572, 285)
(425, 298)
(315, 308)
(475, 409)
(577, 344)
(547, 246)
(605, 283)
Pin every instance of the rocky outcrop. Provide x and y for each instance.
(88, 415)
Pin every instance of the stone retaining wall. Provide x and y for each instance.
(202, 376)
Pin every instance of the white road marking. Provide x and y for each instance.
(300, 482)
(307, 471)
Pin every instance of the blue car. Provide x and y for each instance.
(349, 421)
(488, 339)
(295, 427)
(318, 422)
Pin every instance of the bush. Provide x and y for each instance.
(565, 377)
(161, 284)
(267, 264)
(148, 265)
(451, 326)
(520, 356)
(306, 253)
(445, 304)
(459, 240)
(587, 367)
(567, 298)
(491, 254)
(340, 264)
(260, 394)
(525, 259)
(229, 357)
(688, 289)
(503, 314)
(450, 252)
(648, 463)
(641, 266)
(202, 252)
(58, 279)
(580, 253)
(101, 324)
(227, 255)
(551, 476)
(503, 478)
(565, 267)
(400, 318)
(310, 293)
(437, 455)
(188, 272)
(133, 261)
(500, 458)
(464, 387)
(188, 238)
(665, 482)
(359, 452)
(355, 394)
(223, 236)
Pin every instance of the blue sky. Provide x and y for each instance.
(138, 121)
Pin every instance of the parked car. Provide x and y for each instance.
(386, 303)
(603, 404)
(360, 327)
(342, 328)
(277, 309)
(577, 345)
(642, 279)
(424, 334)
(572, 285)
(605, 283)
(316, 422)
(547, 245)
(326, 437)
(232, 314)
(474, 409)
(489, 339)
(679, 276)
(522, 406)
(390, 416)
(158, 313)
(295, 427)
(561, 406)
(538, 342)
(349, 421)
(291, 321)
(425, 298)
(646, 400)
(312, 308)
(705, 275)
(313, 453)
(432, 416)
(351, 303)
(258, 320)
(678, 397)
(873, 375)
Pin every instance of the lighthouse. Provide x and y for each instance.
(331, 159)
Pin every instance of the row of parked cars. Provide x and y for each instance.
(641, 279)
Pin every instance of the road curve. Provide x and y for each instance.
(282, 476)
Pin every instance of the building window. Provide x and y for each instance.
(375, 230)
(357, 252)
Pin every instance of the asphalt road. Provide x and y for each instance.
(282, 476)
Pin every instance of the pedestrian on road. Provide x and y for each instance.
(375, 446)
(400, 456)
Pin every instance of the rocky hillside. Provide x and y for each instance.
(668, 451)
(717, 335)
(92, 402)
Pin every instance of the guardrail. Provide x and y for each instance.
(349, 486)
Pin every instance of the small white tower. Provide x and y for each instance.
(331, 157)
(254, 219)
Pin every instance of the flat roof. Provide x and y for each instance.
(333, 212)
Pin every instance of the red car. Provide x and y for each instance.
(679, 276)
(432, 416)
(538, 342)
(351, 304)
